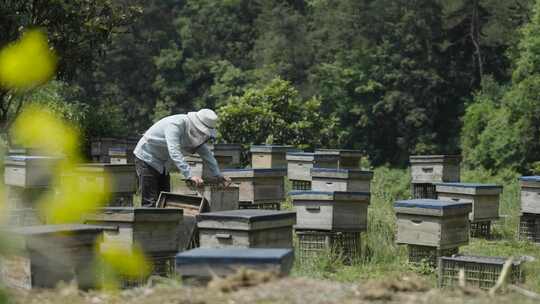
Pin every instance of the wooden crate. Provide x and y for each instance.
(427, 255)
(347, 159)
(346, 246)
(483, 197)
(299, 164)
(153, 229)
(49, 254)
(435, 168)
(480, 271)
(530, 194)
(250, 228)
(331, 211)
(121, 156)
(29, 171)
(259, 185)
(270, 156)
(423, 191)
(352, 180)
(432, 223)
(228, 155)
(202, 264)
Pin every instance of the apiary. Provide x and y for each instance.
(228, 155)
(351, 180)
(347, 159)
(29, 171)
(202, 264)
(50, 254)
(435, 168)
(150, 228)
(331, 211)
(270, 156)
(259, 185)
(119, 180)
(432, 223)
(483, 197)
(530, 194)
(250, 228)
(121, 156)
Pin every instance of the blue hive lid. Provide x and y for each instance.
(534, 178)
(232, 255)
(470, 185)
(430, 204)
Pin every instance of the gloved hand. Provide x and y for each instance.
(196, 180)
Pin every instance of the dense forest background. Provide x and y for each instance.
(389, 77)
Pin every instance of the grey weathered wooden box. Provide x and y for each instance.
(205, 263)
(22, 198)
(333, 211)
(228, 155)
(433, 223)
(347, 159)
(530, 194)
(47, 255)
(299, 164)
(259, 185)
(483, 197)
(29, 171)
(353, 180)
(153, 229)
(250, 228)
(435, 168)
(99, 147)
(22, 217)
(270, 156)
(121, 156)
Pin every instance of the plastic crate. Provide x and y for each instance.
(301, 185)
(423, 190)
(480, 271)
(426, 255)
(347, 245)
(265, 206)
(481, 229)
(529, 227)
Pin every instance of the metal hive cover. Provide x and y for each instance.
(247, 215)
(232, 255)
(430, 204)
(470, 185)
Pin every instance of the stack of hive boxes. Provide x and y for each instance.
(432, 228)
(484, 199)
(529, 224)
(299, 165)
(333, 214)
(27, 177)
(426, 170)
(100, 148)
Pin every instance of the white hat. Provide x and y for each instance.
(204, 120)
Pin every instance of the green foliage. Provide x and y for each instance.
(275, 114)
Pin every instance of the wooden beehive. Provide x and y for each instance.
(530, 194)
(433, 223)
(99, 147)
(258, 185)
(29, 171)
(121, 156)
(50, 254)
(203, 264)
(20, 198)
(228, 155)
(352, 180)
(299, 164)
(250, 228)
(435, 168)
(153, 229)
(21, 217)
(483, 197)
(347, 159)
(270, 156)
(331, 211)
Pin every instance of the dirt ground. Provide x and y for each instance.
(269, 289)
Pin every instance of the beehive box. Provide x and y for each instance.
(433, 223)
(29, 171)
(99, 147)
(299, 164)
(423, 191)
(332, 211)
(346, 246)
(202, 264)
(529, 227)
(259, 185)
(352, 180)
(153, 229)
(121, 156)
(530, 194)
(49, 254)
(270, 156)
(347, 159)
(483, 197)
(21, 218)
(480, 271)
(435, 168)
(28, 151)
(22, 198)
(246, 228)
(228, 155)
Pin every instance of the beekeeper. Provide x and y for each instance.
(163, 146)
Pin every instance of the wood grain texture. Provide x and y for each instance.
(432, 231)
(280, 237)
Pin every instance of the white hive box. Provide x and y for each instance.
(483, 197)
(270, 156)
(29, 171)
(228, 155)
(259, 185)
(352, 180)
(435, 168)
(347, 159)
(530, 194)
(299, 164)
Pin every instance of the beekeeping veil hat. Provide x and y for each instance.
(202, 127)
